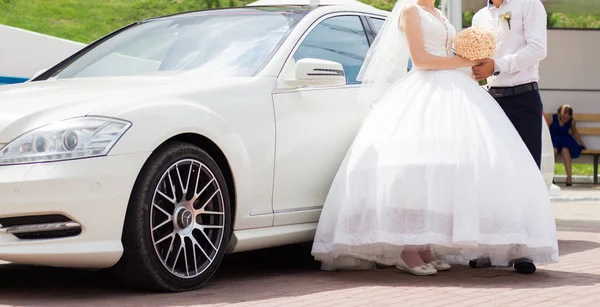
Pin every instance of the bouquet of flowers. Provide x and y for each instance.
(475, 43)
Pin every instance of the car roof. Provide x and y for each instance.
(308, 3)
(282, 6)
(352, 5)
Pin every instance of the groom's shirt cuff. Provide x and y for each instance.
(501, 65)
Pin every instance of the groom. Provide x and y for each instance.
(520, 29)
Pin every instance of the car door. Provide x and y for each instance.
(316, 125)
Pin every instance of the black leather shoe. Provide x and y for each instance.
(380, 266)
(524, 266)
(482, 262)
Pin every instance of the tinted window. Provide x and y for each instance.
(377, 23)
(341, 39)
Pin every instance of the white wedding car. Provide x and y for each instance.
(160, 147)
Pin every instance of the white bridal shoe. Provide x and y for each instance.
(440, 265)
(422, 270)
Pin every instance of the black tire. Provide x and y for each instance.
(141, 266)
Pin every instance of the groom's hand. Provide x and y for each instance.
(484, 69)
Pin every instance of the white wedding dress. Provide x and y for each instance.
(436, 164)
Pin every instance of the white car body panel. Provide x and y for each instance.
(315, 128)
(77, 188)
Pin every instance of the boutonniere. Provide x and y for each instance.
(506, 17)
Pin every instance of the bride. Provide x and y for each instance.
(436, 169)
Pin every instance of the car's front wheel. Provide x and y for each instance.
(178, 221)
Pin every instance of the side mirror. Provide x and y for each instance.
(318, 72)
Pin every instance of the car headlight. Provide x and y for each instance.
(76, 138)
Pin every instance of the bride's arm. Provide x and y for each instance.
(410, 23)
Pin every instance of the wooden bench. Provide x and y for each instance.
(589, 132)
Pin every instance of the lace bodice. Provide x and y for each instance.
(438, 34)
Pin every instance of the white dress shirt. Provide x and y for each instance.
(521, 47)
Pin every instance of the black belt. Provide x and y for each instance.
(498, 92)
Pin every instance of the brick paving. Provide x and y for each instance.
(288, 276)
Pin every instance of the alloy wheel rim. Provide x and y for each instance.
(187, 218)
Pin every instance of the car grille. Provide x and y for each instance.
(33, 227)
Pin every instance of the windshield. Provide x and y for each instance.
(230, 43)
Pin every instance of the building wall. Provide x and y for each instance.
(569, 75)
(23, 53)
(572, 61)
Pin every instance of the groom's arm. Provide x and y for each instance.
(534, 26)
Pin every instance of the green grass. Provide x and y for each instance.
(87, 20)
(577, 169)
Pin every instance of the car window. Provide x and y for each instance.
(341, 39)
(377, 23)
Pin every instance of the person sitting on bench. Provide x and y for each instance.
(565, 138)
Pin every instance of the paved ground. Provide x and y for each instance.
(288, 277)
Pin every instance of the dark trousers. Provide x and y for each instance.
(525, 112)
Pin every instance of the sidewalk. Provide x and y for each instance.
(581, 192)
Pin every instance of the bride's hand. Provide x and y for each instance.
(468, 63)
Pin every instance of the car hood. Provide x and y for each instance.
(30, 105)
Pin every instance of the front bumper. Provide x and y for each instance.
(92, 192)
